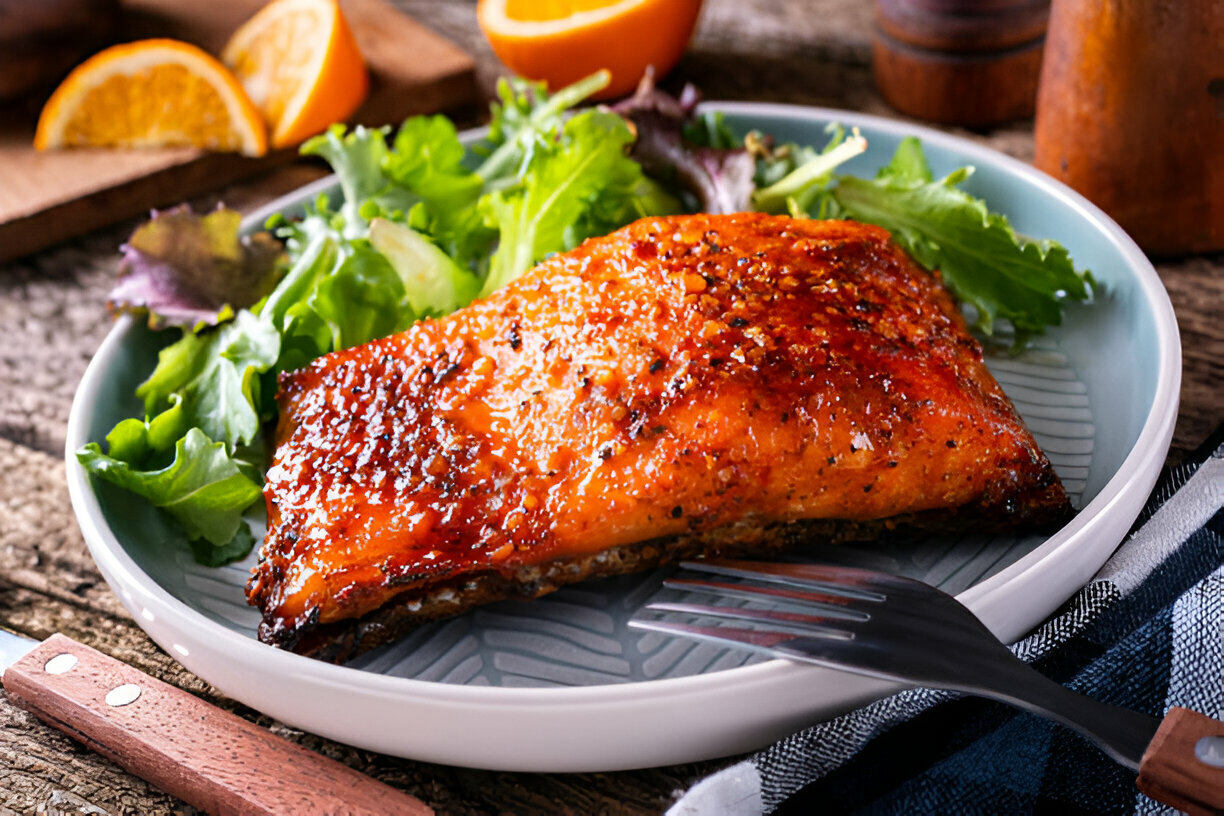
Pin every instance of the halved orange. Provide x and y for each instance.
(151, 93)
(301, 66)
(562, 41)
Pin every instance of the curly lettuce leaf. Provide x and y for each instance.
(1004, 276)
(361, 299)
(525, 117)
(184, 269)
(564, 195)
(214, 555)
(204, 489)
(429, 159)
(138, 442)
(213, 374)
(358, 158)
(339, 293)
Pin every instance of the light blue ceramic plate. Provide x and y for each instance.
(561, 684)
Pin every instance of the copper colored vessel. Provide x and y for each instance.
(961, 62)
(1131, 114)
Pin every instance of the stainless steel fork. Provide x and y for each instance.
(899, 629)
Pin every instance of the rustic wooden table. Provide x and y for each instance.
(51, 314)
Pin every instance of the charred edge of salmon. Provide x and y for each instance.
(340, 641)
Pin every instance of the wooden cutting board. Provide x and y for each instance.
(46, 197)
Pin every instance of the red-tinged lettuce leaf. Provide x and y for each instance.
(719, 173)
(184, 269)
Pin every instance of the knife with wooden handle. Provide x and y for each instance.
(209, 758)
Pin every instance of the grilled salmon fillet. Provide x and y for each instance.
(684, 385)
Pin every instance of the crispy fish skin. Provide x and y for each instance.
(695, 378)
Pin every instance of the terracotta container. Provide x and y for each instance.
(962, 62)
(1131, 114)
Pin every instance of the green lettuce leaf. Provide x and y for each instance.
(211, 555)
(433, 283)
(139, 442)
(983, 261)
(565, 195)
(358, 158)
(795, 176)
(339, 293)
(429, 159)
(526, 117)
(204, 489)
(213, 374)
(361, 299)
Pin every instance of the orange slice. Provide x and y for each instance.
(301, 66)
(151, 93)
(562, 41)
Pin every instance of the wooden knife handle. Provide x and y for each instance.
(209, 758)
(1183, 765)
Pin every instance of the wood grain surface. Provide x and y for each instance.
(49, 196)
(815, 52)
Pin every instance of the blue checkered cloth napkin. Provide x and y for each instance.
(1146, 633)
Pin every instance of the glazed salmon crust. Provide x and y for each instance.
(685, 385)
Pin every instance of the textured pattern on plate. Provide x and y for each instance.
(578, 636)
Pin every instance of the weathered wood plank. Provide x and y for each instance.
(41, 548)
(1196, 288)
(44, 771)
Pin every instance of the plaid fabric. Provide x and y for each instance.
(1147, 633)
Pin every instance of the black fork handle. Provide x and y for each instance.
(1179, 760)
(1121, 733)
(987, 668)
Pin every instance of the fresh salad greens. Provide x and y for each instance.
(424, 225)
(183, 269)
(977, 252)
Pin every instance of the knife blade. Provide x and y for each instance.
(212, 759)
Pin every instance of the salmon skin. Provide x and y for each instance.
(686, 385)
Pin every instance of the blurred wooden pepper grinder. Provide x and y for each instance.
(1130, 113)
(959, 62)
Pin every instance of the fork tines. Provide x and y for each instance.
(850, 582)
(823, 601)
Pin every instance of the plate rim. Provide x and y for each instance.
(1135, 476)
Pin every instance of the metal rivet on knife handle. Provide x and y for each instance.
(123, 695)
(1210, 751)
(62, 662)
